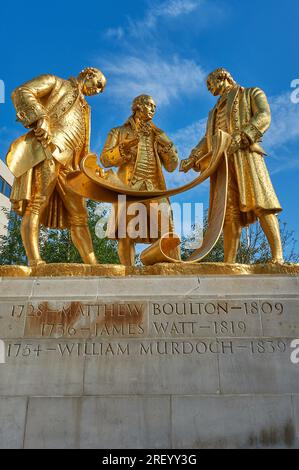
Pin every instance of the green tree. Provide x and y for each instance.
(106, 250)
(56, 245)
(11, 247)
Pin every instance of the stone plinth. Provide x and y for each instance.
(150, 361)
(159, 269)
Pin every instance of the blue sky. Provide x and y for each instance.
(164, 48)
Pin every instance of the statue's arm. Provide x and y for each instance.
(195, 159)
(200, 149)
(112, 154)
(261, 118)
(27, 99)
(167, 152)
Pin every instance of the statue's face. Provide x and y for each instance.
(147, 109)
(94, 83)
(217, 84)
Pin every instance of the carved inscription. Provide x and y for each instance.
(66, 329)
(77, 319)
(222, 308)
(211, 318)
(146, 348)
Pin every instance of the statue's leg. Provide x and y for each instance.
(231, 237)
(78, 221)
(270, 226)
(43, 184)
(82, 240)
(30, 237)
(126, 251)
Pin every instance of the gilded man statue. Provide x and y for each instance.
(139, 149)
(58, 117)
(244, 113)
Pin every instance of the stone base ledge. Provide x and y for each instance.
(162, 269)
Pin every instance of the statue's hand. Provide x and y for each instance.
(42, 132)
(235, 143)
(186, 165)
(128, 144)
(127, 150)
(239, 141)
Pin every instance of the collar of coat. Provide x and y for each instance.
(75, 85)
(230, 96)
(131, 122)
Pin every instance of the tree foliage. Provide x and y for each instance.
(55, 245)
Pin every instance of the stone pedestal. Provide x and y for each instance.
(150, 362)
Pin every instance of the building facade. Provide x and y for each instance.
(6, 180)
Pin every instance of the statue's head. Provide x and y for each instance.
(219, 81)
(92, 81)
(144, 107)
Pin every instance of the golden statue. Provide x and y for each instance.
(244, 114)
(139, 149)
(54, 173)
(58, 117)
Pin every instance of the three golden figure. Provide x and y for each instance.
(56, 146)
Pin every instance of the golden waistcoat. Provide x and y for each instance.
(145, 174)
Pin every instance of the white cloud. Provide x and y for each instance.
(169, 9)
(286, 164)
(139, 69)
(117, 33)
(187, 138)
(175, 8)
(165, 80)
(285, 122)
(284, 130)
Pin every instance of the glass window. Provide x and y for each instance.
(2, 184)
(7, 190)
